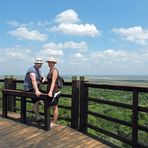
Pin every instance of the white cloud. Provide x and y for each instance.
(13, 23)
(24, 33)
(16, 53)
(82, 45)
(51, 49)
(77, 58)
(52, 46)
(118, 62)
(18, 59)
(68, 16)
(133, 34)
(119, 57)
(15, 60)
(68, 24)
(77, 29)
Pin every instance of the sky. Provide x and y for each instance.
(87, 37)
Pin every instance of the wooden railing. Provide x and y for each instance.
(12, 94)
(135, 108)
(24, 95)
(81, 98)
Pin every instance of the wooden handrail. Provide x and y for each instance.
(24, 95)
(21, 93)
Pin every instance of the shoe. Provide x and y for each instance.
(53, 125)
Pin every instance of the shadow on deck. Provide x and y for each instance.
(14, 134)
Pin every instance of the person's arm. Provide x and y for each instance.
(43, 78)
(35, 85)
(54, 78)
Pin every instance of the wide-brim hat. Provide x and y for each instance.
(38, 61)
(52, 59)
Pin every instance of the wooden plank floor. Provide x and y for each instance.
(16, 135)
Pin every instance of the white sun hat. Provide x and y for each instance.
(38, 61)
(52, 59)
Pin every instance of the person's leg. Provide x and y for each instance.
(55, 113)
(55, 110)
(55, 116)
(36, 109)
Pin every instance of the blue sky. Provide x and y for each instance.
(99, 37)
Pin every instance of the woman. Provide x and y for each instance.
(52, 88)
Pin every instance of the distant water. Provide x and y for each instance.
(105, 79)
(120, 79)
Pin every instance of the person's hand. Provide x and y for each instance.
(50, 94)
(43, 80)
(38, 93)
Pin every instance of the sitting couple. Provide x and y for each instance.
(34, 77)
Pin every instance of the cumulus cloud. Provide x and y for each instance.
(57, 50)
(68, 23)
(15, 60)
(77, 29)
(113, 61)
(133, 34)
(24, 33)
(51, 49)
(68, 16)
(119, 57)
(82, 45)
(53, 46)
(70, 44)
(16, 53)
(77, 58)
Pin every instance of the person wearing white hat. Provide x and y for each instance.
(33, 78)
(52, 89)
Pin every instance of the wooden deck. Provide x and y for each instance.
(16, 135)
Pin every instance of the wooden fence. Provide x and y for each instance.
(135, 108)
(79, 109)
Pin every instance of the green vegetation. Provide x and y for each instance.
(1, 86)
(107, 110)
(117, 112)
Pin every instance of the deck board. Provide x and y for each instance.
(16, 135)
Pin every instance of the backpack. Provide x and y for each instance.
(60, 81)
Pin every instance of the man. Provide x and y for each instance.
(32, 80)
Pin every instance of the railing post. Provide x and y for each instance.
(75, 103)
(83, 105)
(23, 109)
(4, 110)
(135, 120)
(46, 115)
(10, 84)
(14, 98)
